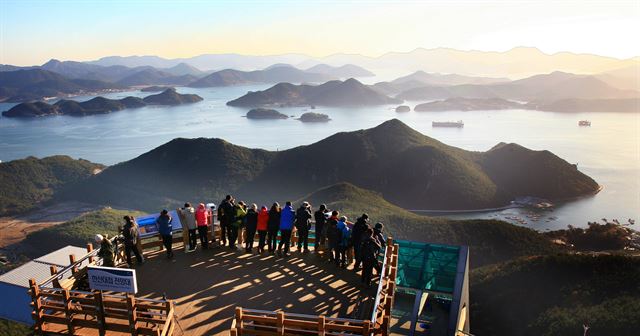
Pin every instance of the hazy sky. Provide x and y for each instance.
(32, 32)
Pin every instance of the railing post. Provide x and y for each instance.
(385, 326)
(321, 322)
(53, 270)
(280, 323)
(67, 310)
(72, 260)
(239, 324)
(92, 259)
(97, 296)
(39, 327)
(366, 328)
(133, 314)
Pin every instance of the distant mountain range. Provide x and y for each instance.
(515, 63)
(406, 167)
(56, 78)
(98, 105)
(333, 93)
(34, 84)
(547, 87)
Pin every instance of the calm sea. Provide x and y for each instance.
(608, 151)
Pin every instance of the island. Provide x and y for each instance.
(262, 113)
(171, 97)
(333, 93)
(314, 117)
(97, 105)
(403, 108)
(468, 104)
(155, 88)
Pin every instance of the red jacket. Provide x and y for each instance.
(263, 219)
(202, 215)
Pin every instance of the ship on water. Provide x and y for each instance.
(458, 124)
(584, 123)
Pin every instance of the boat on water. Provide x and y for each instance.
(584, 123)
(458, 123)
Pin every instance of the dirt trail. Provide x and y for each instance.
(15, 228)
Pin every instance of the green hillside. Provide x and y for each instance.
(408, 168)
(78, 231)
(28, 182)
(556, 295)
(490, 241)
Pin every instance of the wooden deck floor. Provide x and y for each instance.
(208, 285)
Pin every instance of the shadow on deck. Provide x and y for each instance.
(207, 285)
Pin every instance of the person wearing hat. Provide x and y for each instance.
(303, 225)
(107, 250)
(130, 237)
(188, 217)
(321, 219)
(368, 255)
(166, 231)
(382, 241)
(359, 228)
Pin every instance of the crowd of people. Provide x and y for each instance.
(342, 241)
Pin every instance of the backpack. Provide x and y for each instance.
(369, 250)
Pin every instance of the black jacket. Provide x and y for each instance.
(252, 220)
(358, 230)
(303, 215)
(130, 233)
(274, 220)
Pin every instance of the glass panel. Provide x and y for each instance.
(427, 266)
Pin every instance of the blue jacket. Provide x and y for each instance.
(346, 233)
(287, 216)
(164, 225)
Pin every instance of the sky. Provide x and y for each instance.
(32, 32)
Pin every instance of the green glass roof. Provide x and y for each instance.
(427, 266)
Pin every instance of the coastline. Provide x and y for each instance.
(505, 207)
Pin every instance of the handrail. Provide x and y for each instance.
(383, 271)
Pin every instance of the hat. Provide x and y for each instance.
(379, 226)
(99, 238)
(343, 218)
(305, 204)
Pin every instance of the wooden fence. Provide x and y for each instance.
(250, 322)
(261, 322)
(59, 309)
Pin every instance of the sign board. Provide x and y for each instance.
(112, 279)
(147, 224)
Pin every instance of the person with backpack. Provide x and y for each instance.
(382, 241)
(303, 215)
(130, 235)
(334, 236)
(166, 231)
(273, 226)
(320, 217)
(234, 228)
(107, 250)
(262, 228)
(344, 242)
(357, 235)
(287, 217)
(225, 217)
(202, 221)
(188, 218)
(251, 220)
(369, 250)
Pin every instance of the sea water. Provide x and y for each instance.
(608, 151)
